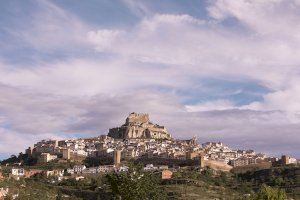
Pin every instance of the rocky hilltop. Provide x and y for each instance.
(138, 126)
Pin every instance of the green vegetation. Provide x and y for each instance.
(186, 183)
(135, 185)
(24, 158)
(29, 189)
(286, 177)
(269, 193)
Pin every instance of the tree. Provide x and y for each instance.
(208, 173)
(277, 181)
(59, 195)
(269, 193)
(135, 185)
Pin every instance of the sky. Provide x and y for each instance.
(220, 70)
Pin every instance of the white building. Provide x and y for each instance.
(91, 170)
(17, 171)
(70, 171)
(79, 168)
(105, 168)
(150, 167)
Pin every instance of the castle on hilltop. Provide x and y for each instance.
(138, 138)
(138, 126)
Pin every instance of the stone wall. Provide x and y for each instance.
(137, 118)
(138, 126)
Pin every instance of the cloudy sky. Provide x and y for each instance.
(222, 70)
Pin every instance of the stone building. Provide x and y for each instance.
(117, 157)
(166, 174)
(239, 162)
(1, 176)
(190, 155)
(201, 162)
(285, 160)
(46, 157)
(17, 171)
(66, 153)
(138, 126)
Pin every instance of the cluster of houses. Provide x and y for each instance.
(105, 147)
(18, 173)
(219, 152)
(80, 171)
(139, 138)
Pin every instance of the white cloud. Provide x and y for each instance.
(103, 39)
(274, 18)
(212, 50)
(207, 49)
(171, 19)
(88, 77)
(211, 106)
(50, 28)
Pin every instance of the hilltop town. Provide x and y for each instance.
(137, 140)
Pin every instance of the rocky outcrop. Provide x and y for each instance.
(138, 126)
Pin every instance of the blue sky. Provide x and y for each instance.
(222, 70)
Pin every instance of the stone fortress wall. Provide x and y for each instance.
(137, 118)
(138, 126)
